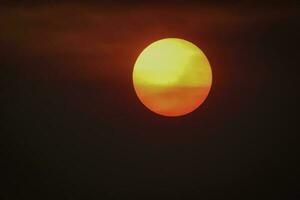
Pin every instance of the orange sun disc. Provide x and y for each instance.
(172, 77)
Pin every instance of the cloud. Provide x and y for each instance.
(105, 39)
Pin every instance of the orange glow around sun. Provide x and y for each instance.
(172, 77)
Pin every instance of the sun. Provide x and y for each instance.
(172, 77)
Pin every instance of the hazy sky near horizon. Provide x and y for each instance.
(74, 128)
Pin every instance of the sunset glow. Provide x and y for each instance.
(172, 77)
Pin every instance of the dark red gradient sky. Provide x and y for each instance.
(74, 128)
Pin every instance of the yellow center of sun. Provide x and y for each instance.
(172, 77)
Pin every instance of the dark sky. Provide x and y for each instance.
(73, 127)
